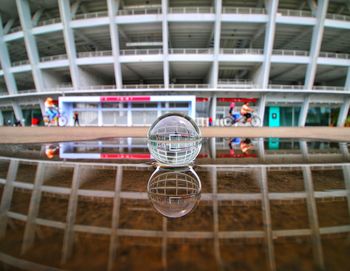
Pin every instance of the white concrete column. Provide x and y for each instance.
(316, 41)
(113, 6)
(212, 108)
(217, 35)
(113, 245)
(212, 147)
(261, 109)
(29, 231)
(313, 218)
(129, 116)
(1, 119)
(30, 43)
(18, 111)
(66, 17)
(165, 37)
(42, 107)
(213, 178)
(343, 113)
(264, 72)
(266, 211)
(303, 112)
(6, 63)
(7, 195)
(347, 81)
(68, 239)
(346, 173)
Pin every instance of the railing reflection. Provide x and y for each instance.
(220, 190)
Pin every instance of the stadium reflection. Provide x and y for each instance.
(256, 211)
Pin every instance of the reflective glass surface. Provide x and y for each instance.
(243, 204)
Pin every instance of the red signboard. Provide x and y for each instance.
(125, 98)
(238, 100)
(125, 156)
(201, 99)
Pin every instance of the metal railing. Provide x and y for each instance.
(52, 58)
(94, 54)
(141, 52)
(91, 15)
(191, 51)
(286, 86)
(328, 88)
(191, 10)
(137, 11)
(242, 10)
(338, 17)
(50, 21)
(189, 86)
(20, 63)
(334, 55)
(290, 52)
(143, 86)
(239, 51)
(293, 12)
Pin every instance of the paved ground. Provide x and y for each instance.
(56, 134)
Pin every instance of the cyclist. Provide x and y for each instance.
(51, 110)
(234, 115)
(246, 145)
(245, 111)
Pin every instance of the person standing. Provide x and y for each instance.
(76, 118)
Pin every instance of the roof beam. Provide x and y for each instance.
(313, 6)
(284, 71)
(139, 77)
(296, 38)
(74, 8)
(8, 26)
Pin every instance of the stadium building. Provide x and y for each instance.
(127, 62)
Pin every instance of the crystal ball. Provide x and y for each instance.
(174, 192)
(174, 140)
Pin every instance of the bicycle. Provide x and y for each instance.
(60, 120)
(255, 120)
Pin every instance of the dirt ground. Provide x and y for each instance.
(12, 135)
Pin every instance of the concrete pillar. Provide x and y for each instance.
(261, 109)
(1, 119)
(346, 173)
(30, 43)
(303, 112)
(266, 211)
(68, 239)
(65, 13)
(313, 219)
(165, 36)
(217, 34)
(113, 6)
(42, 107)
(115, 218)
(316, 41)
(7, 195)
(212, 108)
(347, 81)
(214, 181)
(212, 147)
(264, 72)
(18, 111)
(6, 63)
(343, 113)
(29, 231)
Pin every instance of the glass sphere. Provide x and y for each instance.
(174, 193)
(174, 140)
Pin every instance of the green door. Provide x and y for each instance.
(274, 116)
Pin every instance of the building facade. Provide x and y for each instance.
(292, 57)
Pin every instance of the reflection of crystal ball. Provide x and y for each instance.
(174, 193)
(174, 140)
